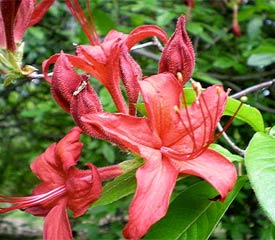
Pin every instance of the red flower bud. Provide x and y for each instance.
(235, 25)
(178, 55)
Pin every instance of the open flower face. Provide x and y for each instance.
(172, 140)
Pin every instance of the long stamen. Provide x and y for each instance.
(25, 202)
(88, 26)
(228, 123)
(191, 131)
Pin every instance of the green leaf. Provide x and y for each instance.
(226, 153)
(260, 165)
(254, 27)
(121, 186)
(103, 26)
(261, 59)
(205, 78)
(192, 215)
(248, 114)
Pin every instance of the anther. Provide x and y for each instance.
(80, 88)
(244, 99)
(197, 87)
(218, 89)
(176, 109)
(179, 76)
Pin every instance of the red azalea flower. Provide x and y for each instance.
(178, 55)
(109, 61)
(172, 140)
(63, 186)
(16, 17)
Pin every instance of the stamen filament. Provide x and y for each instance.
(25, 202)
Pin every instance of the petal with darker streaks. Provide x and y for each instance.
(161, 93)
(131, 132)
(57, 225)
(212, 167)
(155, 182)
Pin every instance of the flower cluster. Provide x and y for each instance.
(173, 137)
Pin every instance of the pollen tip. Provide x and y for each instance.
(179, 76)
(197, 87)
(244, 99)
(176, 109)
(218, 89)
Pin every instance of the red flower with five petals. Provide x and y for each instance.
(172, 140)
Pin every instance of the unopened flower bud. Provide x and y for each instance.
(178, 55)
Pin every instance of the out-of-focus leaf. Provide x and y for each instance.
(261, 59)
(103, 26)
(254, 27)
(205, 78)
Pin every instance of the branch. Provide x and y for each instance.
(254, 76)
(238, 150)
(253, 88)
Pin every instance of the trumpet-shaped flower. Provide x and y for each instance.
(109, 60)
(63, 186)
(172, 140)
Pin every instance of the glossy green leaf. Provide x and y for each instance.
(260, 165)
(121, 186)
(248, 114)
(225, 152)
(192, 215)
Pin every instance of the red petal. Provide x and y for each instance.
(46, 64)
(131, 73)
(142, 32)
(8, 11)
(65, 81)
(51, 166)
(200, 120)
(87, 24)
(131, 132)
(105, 61)
(155, 182)
(47, 168)
(39, 11)
(113, 34)
(68, 149)
(178, 54)
(57, 224)
(161, 93)
(212, 167)
(84, 187)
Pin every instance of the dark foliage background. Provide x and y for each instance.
(30, 120)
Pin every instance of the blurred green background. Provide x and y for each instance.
(30, 120)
